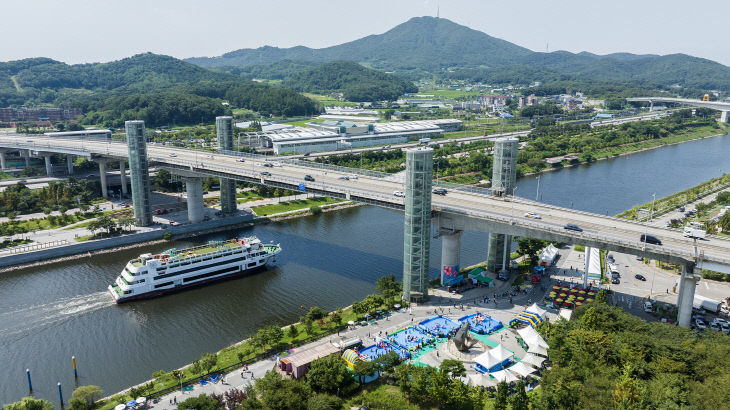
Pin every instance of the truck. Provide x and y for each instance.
(707, 304)
(694, 230)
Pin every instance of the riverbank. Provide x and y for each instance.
(58, 255)
(654, 145)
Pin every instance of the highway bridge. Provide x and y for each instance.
(723, 107)
(462, 208)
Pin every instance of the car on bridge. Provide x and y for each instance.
(266, 174)
(399, 194)
(172, 154)
(344, 177)
(653, 240)
(309, 178)
(640, 277)
(240, 160)
(533, 215)
(573, 227)
(268, 165)
(440, 191)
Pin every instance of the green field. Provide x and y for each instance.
(294, 205)
(329, 101)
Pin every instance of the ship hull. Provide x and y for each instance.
(181, 288)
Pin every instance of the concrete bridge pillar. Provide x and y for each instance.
(123, 177)
(26, 156)
(450, 256)
(102, 178)
(723, 116)
(70, 164)
(194, 187)
(49, 166)
(417, 229)
(3, 163)
(687, 284)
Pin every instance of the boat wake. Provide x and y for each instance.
(19, 323)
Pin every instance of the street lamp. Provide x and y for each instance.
(646, 223)
(513, 201)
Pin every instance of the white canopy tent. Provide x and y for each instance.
(504, 375)
(566, 314)
(532, 338)
(539, 350)
(521, 369)
(480, 379)
(493, 357)
(537, 310)
(533, 359)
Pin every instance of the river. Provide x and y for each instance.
(49, 313)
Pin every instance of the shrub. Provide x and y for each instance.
(315, 210)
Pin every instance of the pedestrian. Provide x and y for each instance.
(170, 401)
(174, 399)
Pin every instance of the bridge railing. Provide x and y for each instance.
(506, 219)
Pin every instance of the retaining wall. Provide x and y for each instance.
(199, 228)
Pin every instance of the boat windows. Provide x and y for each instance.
(252, 264)
(209, 274)
(127, 292)
(163, 284)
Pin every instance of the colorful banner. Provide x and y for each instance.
(450, 275)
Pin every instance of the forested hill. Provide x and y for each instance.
(423, 43)
(159, 89)
(140, 71)
(427, 45)
(356, 82)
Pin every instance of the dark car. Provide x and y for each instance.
(615, 281)
(573, 227)
(308, 178)
(650, 239)
(307, 154)
(266, 174)
(268, 164)
(640, 277)
(439, 191)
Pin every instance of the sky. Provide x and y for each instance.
(84, 31)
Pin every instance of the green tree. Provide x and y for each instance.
(531, 247)
(388, 362)
(89, 394)
(126, 223)
(196, 367)
(388, 287)
(724, 222)
(29, 403)
(520, 401)
(328, 374)
(208, 361)
(292, 331)
(500, 402)
(453, 368)
(336, 317)
(324, 402)
(202, 402)
(316, 313)
(307, 322)
(363, 369)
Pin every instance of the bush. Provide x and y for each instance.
(89, 394)
(315, 210)
(167, 236)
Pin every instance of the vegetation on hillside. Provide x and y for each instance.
(158, 89)
(357, 83)
(18, 199)
(424, 46)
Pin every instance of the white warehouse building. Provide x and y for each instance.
(332, 136)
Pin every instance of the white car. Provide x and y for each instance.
(648, 308)
(700, 324)
(352, 176)
(172, 154)
(240, 160)
(399, 194)
(533, 215)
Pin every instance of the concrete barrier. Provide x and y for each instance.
(201, 228)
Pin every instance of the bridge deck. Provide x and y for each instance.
(377, 188)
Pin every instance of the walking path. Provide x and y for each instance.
(441, 302)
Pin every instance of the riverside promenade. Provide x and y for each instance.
(440, 302)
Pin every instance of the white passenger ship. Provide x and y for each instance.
(176, 269)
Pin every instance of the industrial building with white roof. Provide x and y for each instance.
(337, 135)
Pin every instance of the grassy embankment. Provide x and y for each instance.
(674, 201)
(293, 205)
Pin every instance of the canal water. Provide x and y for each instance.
(49, 313)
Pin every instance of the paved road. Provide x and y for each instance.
(611, 232)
